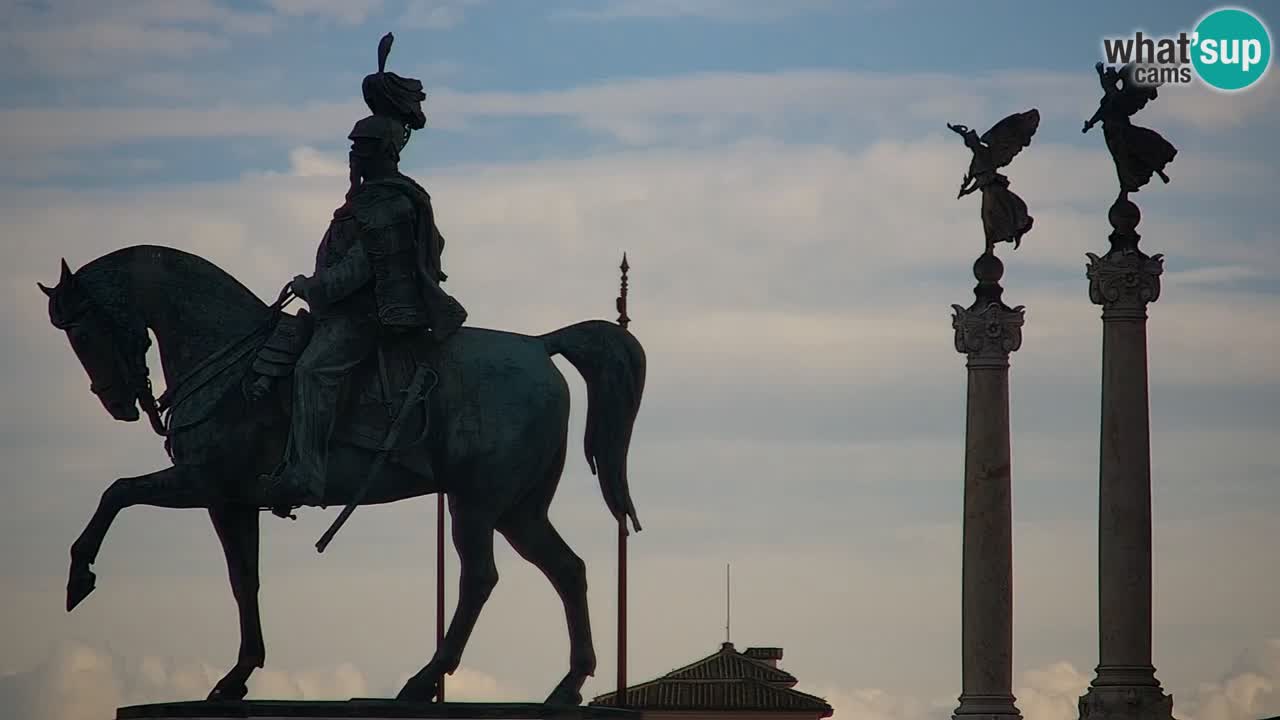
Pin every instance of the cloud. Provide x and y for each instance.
(1052, 693)
(744, 11)
(436, 14)
(82, 681)
(691, 110)
(51, 129)
(81, 38)
(876, 704)
(348, 12)
(1203, 108)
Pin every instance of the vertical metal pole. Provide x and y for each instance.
(623, 321)
(622, 612)
(440, 581)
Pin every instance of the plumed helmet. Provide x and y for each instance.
(386, 93)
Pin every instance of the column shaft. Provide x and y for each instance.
(987, 593)
(1124, 499)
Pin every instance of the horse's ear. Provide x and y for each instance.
(66, 273)
(47, 291)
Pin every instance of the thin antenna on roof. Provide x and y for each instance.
(727, 616)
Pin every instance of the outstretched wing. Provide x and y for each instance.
(1007, 137)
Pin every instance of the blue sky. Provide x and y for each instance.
(782, 178)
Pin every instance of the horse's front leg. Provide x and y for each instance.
(237, 527)
(172, 487)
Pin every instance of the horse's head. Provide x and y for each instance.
(106, 350)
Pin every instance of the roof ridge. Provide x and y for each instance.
(727, 651)
(765, 664)
(771, 687)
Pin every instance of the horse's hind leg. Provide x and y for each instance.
(171, 488)
(237, 527)
(478, 575)
(532, 535)
(537, 541)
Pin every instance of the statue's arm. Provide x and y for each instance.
(1097, 117)
(338, 281)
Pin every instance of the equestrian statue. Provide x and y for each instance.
(377, 393)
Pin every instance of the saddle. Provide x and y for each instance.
(372, 395)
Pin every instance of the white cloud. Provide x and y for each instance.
(686, 110)
(80, 681)
(81, 38)
(875, 704)
(349, 12)
(308, 162)
(436, 14)
(1206, 109)
(1052, 693)
(750, 11)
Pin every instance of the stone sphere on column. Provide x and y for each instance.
(1124, 215)
(988, 269)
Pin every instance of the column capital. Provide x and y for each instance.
(988, 330)
(988, 334)
(1124, 282)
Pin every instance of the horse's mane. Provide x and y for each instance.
(166, 279)
(138, 257)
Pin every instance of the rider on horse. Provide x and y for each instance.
(377, 273)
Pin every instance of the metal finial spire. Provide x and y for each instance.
(623, 320)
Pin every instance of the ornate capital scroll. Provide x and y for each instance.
(1123, 283)
(988, 333)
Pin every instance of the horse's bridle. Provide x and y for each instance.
(133, 368)
(136, 370)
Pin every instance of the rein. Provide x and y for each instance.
(160, 411)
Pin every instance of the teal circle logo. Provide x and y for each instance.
(1232, 49)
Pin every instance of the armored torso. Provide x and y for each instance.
(395, 226)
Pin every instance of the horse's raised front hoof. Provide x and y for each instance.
(228, 688)
(565, 693)
(80, 583)
(423, 687)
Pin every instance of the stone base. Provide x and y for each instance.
(1121, 702)
(367, 709)
(987, 707)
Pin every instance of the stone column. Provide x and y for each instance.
(987, 331)
(1123, 282)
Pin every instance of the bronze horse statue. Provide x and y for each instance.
(493, 436)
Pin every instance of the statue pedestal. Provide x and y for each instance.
(367, 709)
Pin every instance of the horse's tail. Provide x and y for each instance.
(612, 362)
